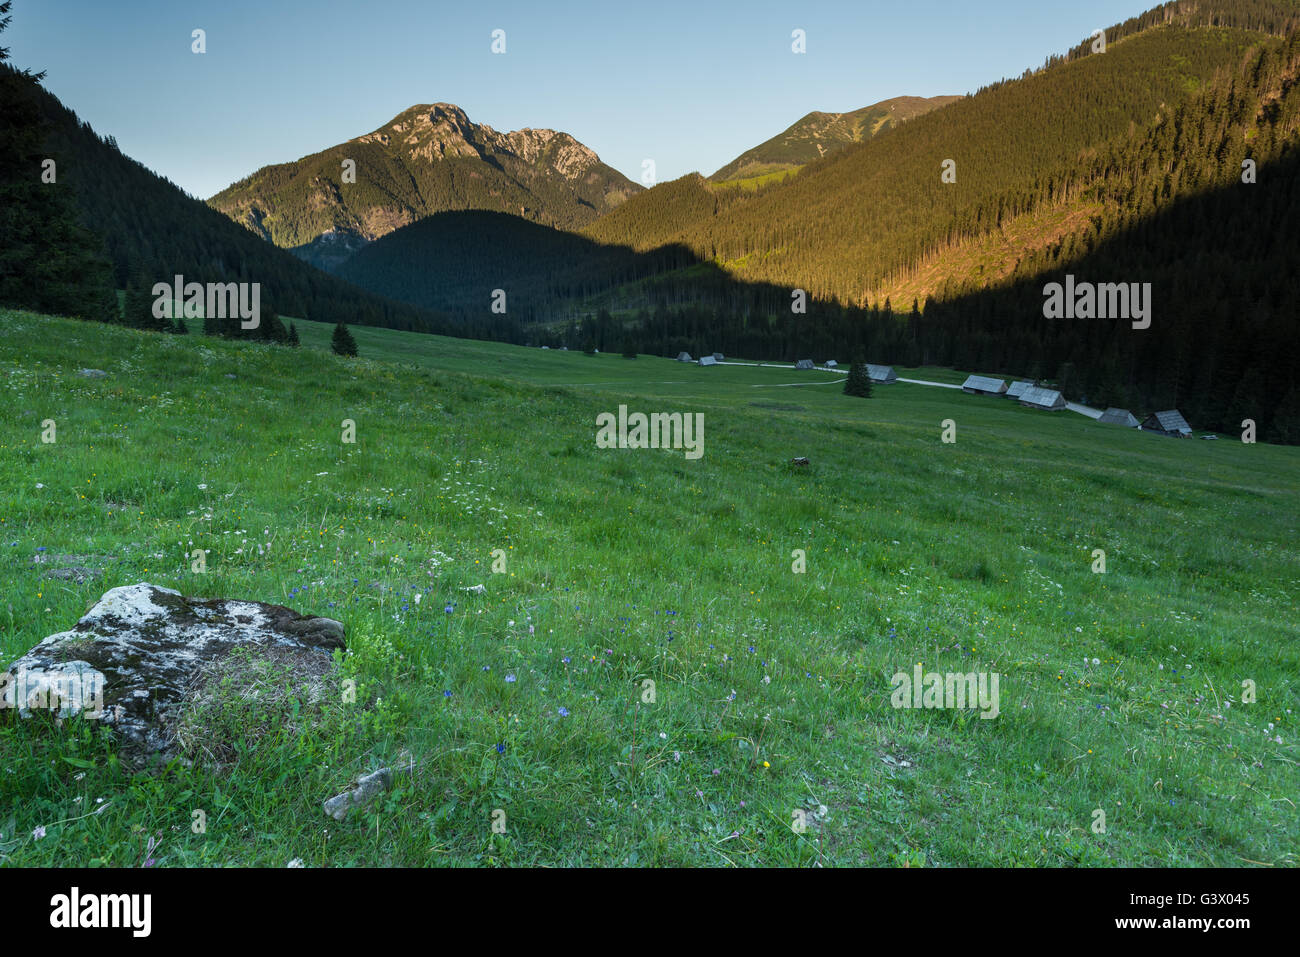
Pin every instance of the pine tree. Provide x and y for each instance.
(343, 343)
(271, 328)
(858, 382)
(1286, 420)
(137, 308)
(293, 336)
(182, 328)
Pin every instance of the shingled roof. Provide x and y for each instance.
(1119, 417)
(885, 374)
(1016, 389)
(982, 383)
(1170, 423)
(1040, 398)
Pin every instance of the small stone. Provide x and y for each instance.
(368, 788)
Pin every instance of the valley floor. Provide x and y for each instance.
(672, 661)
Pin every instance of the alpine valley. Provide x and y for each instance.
(451, 497)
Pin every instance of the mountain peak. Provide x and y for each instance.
(429, 158)
(436, 131)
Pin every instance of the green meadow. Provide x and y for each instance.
(645, 679)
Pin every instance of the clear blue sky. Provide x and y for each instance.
(689, 84)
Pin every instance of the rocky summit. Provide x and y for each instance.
(429, 159)
(142, 651)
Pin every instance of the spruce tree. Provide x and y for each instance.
(1286, 420)
(270, 328)
(137, 308)
(278, 331)
(293, 336)
(343, 343)
(858, 382)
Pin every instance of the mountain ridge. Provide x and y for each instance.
(429, 158)
(802, 141)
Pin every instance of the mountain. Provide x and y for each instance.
(820, 134)
(150, 230)
(851, 225)
(428, 159)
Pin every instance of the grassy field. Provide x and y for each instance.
(1120, 692)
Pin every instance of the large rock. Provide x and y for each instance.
(134, 659)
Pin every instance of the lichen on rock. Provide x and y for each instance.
(135, 658)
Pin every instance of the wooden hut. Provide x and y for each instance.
(1047, 399)
(1120, 417)
(983, 385)
(1167, 423)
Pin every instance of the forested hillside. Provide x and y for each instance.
(1204, 205)
(843, 224)
(453, 261)
(48, 260)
